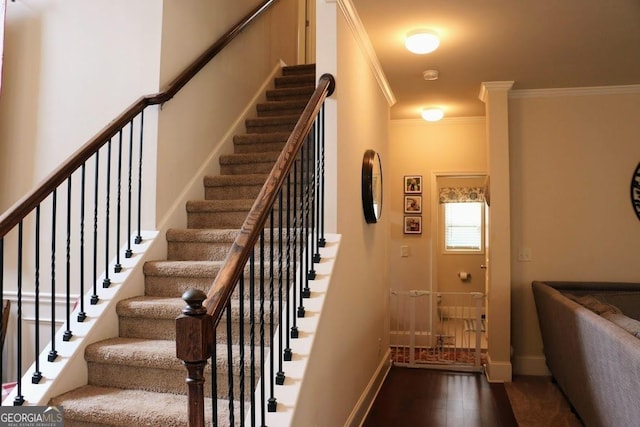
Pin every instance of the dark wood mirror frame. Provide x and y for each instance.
(371, 186)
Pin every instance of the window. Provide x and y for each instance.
(463, 231)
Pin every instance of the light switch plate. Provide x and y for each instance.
(404, 251)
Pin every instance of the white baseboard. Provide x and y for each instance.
(498, 372)
(362, 408)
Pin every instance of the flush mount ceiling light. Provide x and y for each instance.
(422, 41)
(432, 114)
(430, 75)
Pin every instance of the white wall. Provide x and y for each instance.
(352, 338)
(573, 153)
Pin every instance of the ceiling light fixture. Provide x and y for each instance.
(422, 41)
(430, 74)
(432, 114)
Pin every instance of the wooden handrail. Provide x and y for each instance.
(242, 247)
(11, 218)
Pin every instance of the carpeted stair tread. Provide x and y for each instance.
(233, 180)
(106, 406)
(240, 205)
(244, 158)
(202, 235)
(295, 80)
(299, 69)
(151, 307)
(182, 268)
(150, 354)
(272, 108)
(253, 138)
(163, 308)
(271, 123)
(290, 93)
(135, 352)
(200, 244)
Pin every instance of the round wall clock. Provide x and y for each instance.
(635, 190)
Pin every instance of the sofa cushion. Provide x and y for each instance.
(628, 324)
(594, 304)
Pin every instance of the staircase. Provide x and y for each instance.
(135, 379)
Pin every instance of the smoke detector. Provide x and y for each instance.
(430, 75)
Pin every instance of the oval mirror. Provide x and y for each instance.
(371, 186)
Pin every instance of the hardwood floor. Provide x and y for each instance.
(421, 397)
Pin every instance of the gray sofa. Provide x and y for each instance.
(591, 337)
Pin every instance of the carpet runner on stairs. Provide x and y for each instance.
(136, 379)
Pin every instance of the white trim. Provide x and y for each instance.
(362, 38)
(498, 372)
(575, 91)
(485, 87)
(368, 396)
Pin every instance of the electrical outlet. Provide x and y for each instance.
(524, 254)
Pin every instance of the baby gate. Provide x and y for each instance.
(438, 330)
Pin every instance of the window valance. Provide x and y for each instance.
(461, 194)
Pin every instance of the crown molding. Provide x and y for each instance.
(575, 91)
(486, 87)
(362, 39)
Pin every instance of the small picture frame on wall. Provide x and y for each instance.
(413, 184)
(412, 224)
(413, 204)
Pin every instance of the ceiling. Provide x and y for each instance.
(535, 43)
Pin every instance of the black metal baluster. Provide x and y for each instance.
(287, 351)
(294, 260)
(82, 315)
(118, 267)
(280, 374)
(316, 199)
(106, 282)
(67, 333)
(272, 400)
(19, 399)
(230, 363)
(139, 236)
(37, 374)
(303, 237)
(241, 349)
(311, 275)
(262, 385)
(53, 353)
(252, 334)
(214, 380)
(322, 241)
(129, 253)
(94, 297)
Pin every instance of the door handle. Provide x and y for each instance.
(483, 266)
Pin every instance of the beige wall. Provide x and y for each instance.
(352, 338)
(427, 149)
(572, 157)
(55, 54)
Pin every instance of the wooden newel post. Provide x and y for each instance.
(194, 346)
